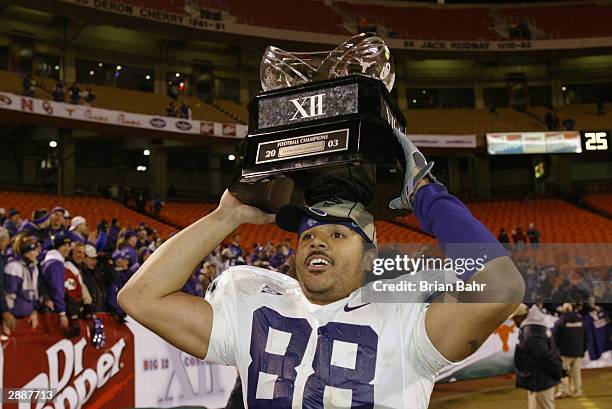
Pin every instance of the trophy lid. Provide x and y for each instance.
(365, 54)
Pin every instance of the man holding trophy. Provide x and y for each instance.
(325, 156)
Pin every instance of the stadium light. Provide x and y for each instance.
(177, 75)
(146, 152)
(423, 92)
(414, 101)
(231, 157)
(141, 168)
(119, 68)
(563, 89)
(148, 77)
(57, 68)
(100, 64)
(53, 144)
(91, 72)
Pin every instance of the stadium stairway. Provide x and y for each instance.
(94, 209)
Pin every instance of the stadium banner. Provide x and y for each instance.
(102, 116)
(444, 141)
(189, 19)
(516, 143)
(81, 375)
(168, 377)
(496, 355)
(135, 368)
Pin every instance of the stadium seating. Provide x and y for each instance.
(239, 111)
(468, 121)
(417, 22)
(601, 202)
(558, 221)
(183, 214)
(411, 21)
(92, 208)
(123, 99)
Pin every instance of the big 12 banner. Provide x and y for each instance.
(80, 374)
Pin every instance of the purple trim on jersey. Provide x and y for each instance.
(451, 222)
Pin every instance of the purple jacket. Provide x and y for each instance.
(21, 287)
(193, 285)
(53, 271)
(122, 277)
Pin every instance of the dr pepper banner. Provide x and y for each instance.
(82, 375)
(135, 368)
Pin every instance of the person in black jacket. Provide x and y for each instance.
(571, 339)
(536, 359)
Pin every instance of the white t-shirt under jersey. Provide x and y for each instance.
(294, 354)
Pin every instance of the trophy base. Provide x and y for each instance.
(373, 185)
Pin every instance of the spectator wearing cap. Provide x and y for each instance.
(12, 222)
(53, 275)
(536, 359)
(56, 221)
(78, 299)
(95, 279)
(127, 244)
(79, 230)
(5, 239)
(120, 276)
(571, 339)
(38, 226)
(21, 282)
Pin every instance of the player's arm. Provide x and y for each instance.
(153, 295)
(458, 329)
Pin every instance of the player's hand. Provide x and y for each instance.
(417, 173)
(64, 322)
(244, 213)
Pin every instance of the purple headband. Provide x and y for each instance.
(308, 223)
(41, 219)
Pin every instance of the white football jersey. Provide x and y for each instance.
(294, 354)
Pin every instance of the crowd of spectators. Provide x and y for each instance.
(59, 92)
(53, 263)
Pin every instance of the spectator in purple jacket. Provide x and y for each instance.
(127, 244)
(12, 221)
(38, 226)
(78, 230)
(121, 275)
(21, 282)
(53, 274)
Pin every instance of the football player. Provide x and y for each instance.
(317, 342)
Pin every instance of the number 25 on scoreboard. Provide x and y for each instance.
(596, 141)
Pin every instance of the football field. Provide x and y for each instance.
(500, 393)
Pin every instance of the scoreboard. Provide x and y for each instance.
(596, 140)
